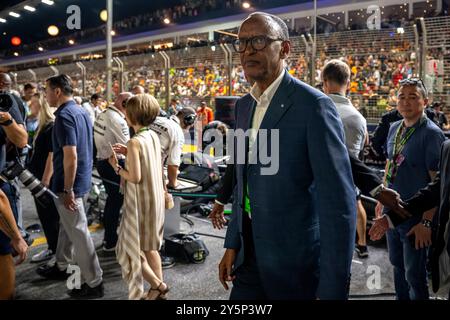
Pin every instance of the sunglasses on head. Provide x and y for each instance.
(414, 82)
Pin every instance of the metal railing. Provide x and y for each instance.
(193, 74)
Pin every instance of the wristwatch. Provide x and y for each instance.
(426, 223)
(7, 122)
(67, 191)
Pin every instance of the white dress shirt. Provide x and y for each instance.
(263, 100)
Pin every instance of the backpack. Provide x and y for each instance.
(186, 248)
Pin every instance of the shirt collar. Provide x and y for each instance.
(269, 92)
(339, 99)
(65, 104)
(117, 110)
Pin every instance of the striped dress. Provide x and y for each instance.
(142, 223)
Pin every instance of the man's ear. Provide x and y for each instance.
(285, 49)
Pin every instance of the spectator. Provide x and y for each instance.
(93, 107)
(111, 128)
(205, 114)
(137, 247)
(414, 145)
(41, 165)
(336, 79)
(72, 164)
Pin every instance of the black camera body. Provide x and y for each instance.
(6, 101)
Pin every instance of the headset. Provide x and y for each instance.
(189, 119)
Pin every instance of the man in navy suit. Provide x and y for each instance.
(287, 221)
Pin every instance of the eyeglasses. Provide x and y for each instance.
(414, 82)
(258, 43)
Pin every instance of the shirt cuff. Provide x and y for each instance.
(218, 202)
(391, 225)
(375, 191)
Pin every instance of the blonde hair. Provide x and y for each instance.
(45, 113)
(142, 109)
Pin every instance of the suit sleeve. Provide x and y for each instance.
(335, 198)
(232, 237)
(228, 183)
(425, 199)
(364, 177)
(380, 135)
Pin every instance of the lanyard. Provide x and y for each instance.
(399, 145)
(142, 130)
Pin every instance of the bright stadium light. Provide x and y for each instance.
(166, 20)
(48, 2)
(14, 14)
(53, 30)
(41, 49)
(113, 33)
(2, 20)
(246, 5)
(16, 54)
(29, 8)
(104, 15)
(71, 42)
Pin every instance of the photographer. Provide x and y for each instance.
(10, 239)
(12, 134)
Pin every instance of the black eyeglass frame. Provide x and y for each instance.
(267, 40)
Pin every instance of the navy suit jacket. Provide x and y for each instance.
(306, 212)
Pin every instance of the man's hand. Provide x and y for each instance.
(379, 228)
(21, 248)
(225, 267)
(217, 218)
(69, 201)
(422, 235)
(391, 199)
(5, 116)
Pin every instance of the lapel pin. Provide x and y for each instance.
(282, 105)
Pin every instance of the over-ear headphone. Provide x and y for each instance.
(189, 119)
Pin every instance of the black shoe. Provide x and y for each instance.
(52, 272)
(86, 292)
(361, 251)
(167, 262)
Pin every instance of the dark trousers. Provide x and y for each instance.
(114, 201)
(247, 284)
(49, 217)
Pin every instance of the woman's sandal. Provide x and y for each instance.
(162, 292)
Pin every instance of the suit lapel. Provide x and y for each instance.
(280, 103)
(278, 106)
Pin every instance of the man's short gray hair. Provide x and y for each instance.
(283, 31)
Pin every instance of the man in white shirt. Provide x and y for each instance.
(336, 79)
(93, 107)
(110, 128)
(172, 139)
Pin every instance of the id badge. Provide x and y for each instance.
(399, 160)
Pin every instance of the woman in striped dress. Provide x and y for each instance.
(141, 228)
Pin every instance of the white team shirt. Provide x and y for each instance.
(171, 137)
(110, 128)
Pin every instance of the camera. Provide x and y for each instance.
(32, 183)
(6, 101)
